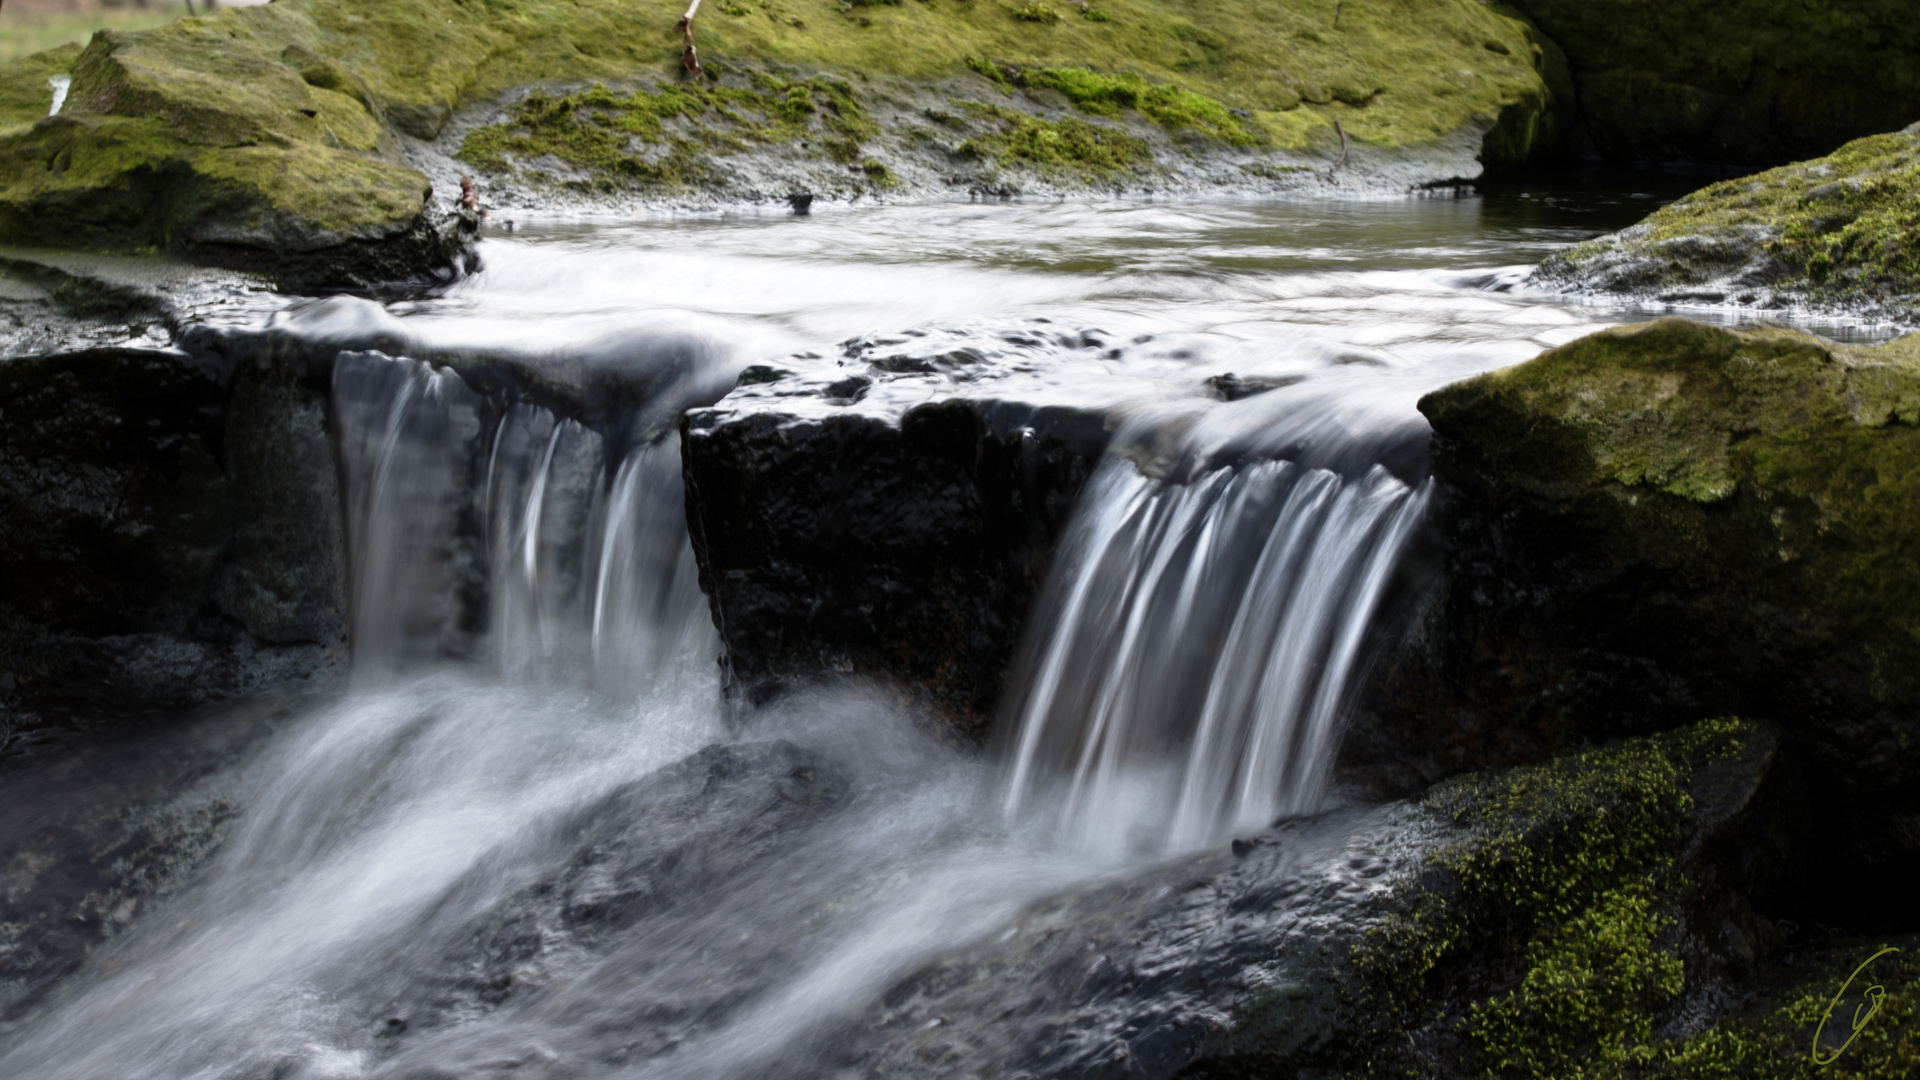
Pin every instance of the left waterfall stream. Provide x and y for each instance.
(553, 855)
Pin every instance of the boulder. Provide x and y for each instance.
(1667, 520)
(171, 536)
(1744, 82)
(846, 523)
(1834, 234)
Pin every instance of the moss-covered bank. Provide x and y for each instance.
(1837, 233)
(272, 132)
(1671, 519)
(1611, 913)
(1743, 82)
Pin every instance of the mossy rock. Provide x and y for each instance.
(1608, 913)
(1670, 518)
(1741, 82)
(26, 86)
(251, 135)
(1838, 233)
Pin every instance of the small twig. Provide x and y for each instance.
(1343, 148)
(688, 61)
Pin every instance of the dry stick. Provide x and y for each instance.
(688, 61)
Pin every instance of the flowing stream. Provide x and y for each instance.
(525, 841)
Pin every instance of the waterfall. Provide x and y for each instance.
(1188, 662)
(402, 428)
(526, 545)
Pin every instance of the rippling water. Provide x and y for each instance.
(493, 867)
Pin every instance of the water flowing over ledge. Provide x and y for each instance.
(526, 837)
(1195, 647)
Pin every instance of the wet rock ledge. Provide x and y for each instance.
(884, 512)
(171, 504)
(169, 520)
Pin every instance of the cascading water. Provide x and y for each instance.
(524, 844)
(583, 564)
(1194, 648)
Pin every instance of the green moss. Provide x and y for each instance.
(1771, 1038)
(1037, 11)
(1054, 147)
(1558, 893)
(1171, 107)
(1839, 230)
(25, 93)
(622, 140)
(1814, 449)
(301, 76)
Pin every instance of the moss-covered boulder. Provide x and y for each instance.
(274, 136)
(1670, 519)
(1743, 82)
(1629, 910)
(1566, 920)
(1837, 233)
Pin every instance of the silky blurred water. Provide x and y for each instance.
(411, 883)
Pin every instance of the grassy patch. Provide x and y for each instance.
(623, 140)
(1054, 147)
(1169, 106)
(24, 33)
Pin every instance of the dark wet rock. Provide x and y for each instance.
(171, 536)
(1375, 936)
(630, 385)
(664, 848)
(889, 520)
(1231, 387)
(1748, 82)
(1830, 234)
(91, 840)
(1672, 520)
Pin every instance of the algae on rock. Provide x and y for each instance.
(1841, 232)
(1558, 921)
(1671, 519)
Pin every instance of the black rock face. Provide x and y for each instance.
(1731, 82)
(905, 547)
(171, 536)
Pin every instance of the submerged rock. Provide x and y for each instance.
(1668, 520)
(1748, 82)
(1836, 233)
